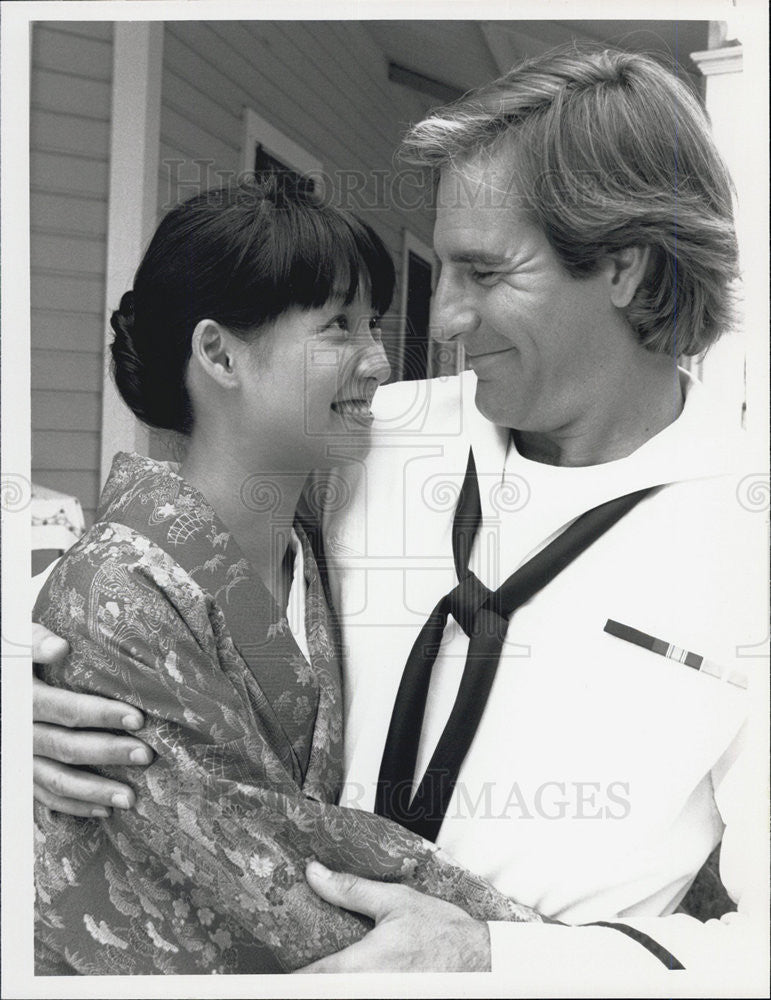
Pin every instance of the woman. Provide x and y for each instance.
(252, 330)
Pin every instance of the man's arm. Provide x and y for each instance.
(67, 738)
(413, 932)
(418, 933)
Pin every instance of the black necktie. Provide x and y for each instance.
(484, 617)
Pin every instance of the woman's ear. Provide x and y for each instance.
(628, 268)
(213, 351)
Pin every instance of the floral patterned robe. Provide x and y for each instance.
(206, 874)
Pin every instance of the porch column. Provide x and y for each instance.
(133, 201)
(726, 364)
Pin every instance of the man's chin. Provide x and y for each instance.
(495, 409)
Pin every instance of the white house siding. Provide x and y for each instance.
(70, 134)
(324, 83)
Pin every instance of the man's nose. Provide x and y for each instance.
(451, 314)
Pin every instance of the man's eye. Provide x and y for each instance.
(483, 276)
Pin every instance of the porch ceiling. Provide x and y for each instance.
(465, 54)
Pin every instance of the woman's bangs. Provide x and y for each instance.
(376, 265)
(330, 257)
(314, 258)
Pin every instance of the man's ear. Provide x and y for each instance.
(627, 270)
(212, 351)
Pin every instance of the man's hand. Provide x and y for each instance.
(63, 741)
(413, 932)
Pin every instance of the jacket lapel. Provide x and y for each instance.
(325, 761)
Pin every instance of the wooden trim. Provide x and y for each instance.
(712, 62)
(133, 200)
(277, 143)
(423, 84)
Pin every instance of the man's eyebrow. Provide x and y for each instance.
(478, 257)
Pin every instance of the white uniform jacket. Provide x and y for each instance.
(602, 774)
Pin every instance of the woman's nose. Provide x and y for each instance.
(366, 362)
(373, 363)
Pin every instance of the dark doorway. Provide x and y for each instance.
(415, 356)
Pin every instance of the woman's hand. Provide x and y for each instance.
(66, 738)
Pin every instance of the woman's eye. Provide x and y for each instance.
(338, 323)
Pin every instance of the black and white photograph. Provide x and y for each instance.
(385, 499)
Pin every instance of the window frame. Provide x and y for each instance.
(277, 143)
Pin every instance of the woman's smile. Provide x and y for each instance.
(354, 409)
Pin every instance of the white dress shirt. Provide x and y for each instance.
(295, 608)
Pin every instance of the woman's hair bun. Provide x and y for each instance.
(141, 374)
(125, 310)
(127, 364)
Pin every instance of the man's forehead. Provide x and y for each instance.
(486, 180)
(479, 213)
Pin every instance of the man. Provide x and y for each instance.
(584, 230)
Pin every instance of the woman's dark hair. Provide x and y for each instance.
(240, 255)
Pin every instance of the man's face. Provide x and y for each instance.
(537, 338)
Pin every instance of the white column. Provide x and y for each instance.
(133, 200)
(727, 95)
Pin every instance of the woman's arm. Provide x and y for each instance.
(208, 870)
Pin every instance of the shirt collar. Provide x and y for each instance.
(699, 442)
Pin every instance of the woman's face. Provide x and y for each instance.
(310, 379)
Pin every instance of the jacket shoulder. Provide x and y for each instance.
(427, 406)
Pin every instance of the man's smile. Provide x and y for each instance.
(475, 358)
